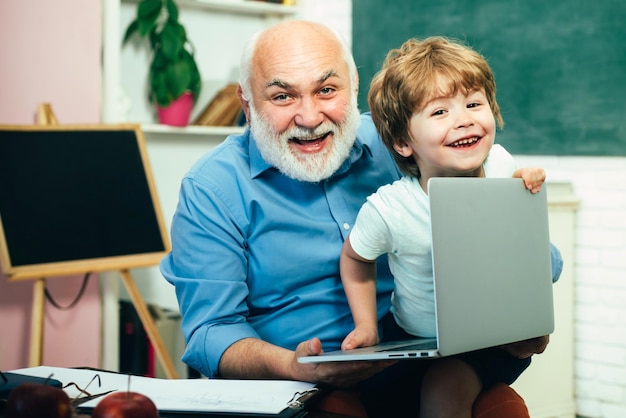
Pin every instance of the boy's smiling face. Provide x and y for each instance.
(451, 135)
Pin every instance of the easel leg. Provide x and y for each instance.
(37, 323)
(45, 116)
(149, 325)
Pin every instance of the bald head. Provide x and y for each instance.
(291, 43)
(296, 31)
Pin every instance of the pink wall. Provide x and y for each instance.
(50, 52)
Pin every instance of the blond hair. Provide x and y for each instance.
(409, 79)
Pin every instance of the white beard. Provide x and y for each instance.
(276, 150)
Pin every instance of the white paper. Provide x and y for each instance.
(185, 395)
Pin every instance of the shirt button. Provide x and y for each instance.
(346, 226)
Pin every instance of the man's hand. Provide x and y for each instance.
(337, 374)
(526, 348)
(533, 178)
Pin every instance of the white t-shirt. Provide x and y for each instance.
(396, 221)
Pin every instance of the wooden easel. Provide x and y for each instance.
(45, 116)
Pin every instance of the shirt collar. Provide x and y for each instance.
(257, 164)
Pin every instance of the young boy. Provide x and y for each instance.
(434, 105)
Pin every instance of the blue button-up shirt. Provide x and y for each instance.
(256, 254)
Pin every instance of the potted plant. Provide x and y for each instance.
(174, 78)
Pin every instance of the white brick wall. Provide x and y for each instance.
(600, 251)
(600, 278)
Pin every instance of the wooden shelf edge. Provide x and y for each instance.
(236, 6)
(192, 130)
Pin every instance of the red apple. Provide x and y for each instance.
(37, 400)
(125, 405)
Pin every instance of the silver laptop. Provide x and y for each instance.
(492, 271)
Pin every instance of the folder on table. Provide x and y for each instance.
(194, 397)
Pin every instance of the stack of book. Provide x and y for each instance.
(223, 110)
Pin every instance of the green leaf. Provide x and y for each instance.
(130, 31)
(178, 78)
(145, 27)
(159, 61)
(155, 39)
(146, 9)
(195, 82)
(171, 41)
(172, 9)
(182, 33)
(148, 12)
(158, 88)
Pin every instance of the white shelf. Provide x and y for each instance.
(242, 6)
(236, 6)
(157, 129)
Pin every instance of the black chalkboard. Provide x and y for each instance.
(76, 199)
(560, 66)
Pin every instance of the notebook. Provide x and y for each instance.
(492, 271)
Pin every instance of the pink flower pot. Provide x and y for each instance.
(178, 112)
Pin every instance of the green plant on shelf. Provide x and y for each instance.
(173, 70)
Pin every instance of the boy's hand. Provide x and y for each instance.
(360, 337)
(533, 177)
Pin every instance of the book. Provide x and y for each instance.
(222, 110)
